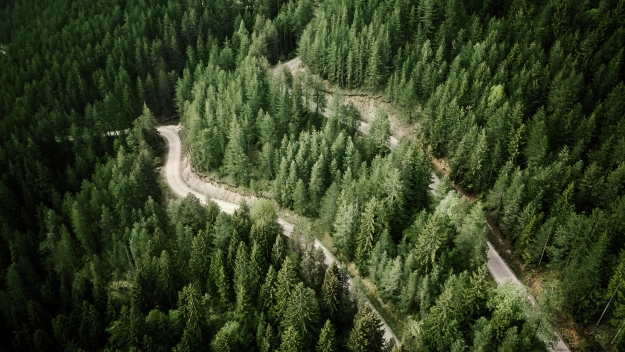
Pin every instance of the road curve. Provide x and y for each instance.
(172, 170)
(180, 188)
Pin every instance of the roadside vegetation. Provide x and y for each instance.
(93, 256)
(523, 100)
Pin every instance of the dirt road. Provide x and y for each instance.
(176, 183)
(497, 267)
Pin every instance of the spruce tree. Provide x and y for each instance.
(278, 252)
(327, 338)
(235, 158)
(369, 229)
(367, 334)
(302, 313)
(291, 340)
(316, 187)
(331, 292)
(219, 277)
(345, 227)
(286, 280)
(191, 310)
(300, 198)
(257, 268)
(267, 295)
(242, 280)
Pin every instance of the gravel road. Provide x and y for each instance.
(497, 267)
(176, 183)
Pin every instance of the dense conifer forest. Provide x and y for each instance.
(523, 99)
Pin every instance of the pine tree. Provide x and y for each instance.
(235, 159)
(225, 339)
(291, 340)
(482, 333)
(394, 200)
(191, 310)
(367, 333)
(257, 268)
(427, 16)
(267, 294)
(127, 330)
(312, 266)
(280, 193)
(291, 183)
(369, 230)
(510, 341)
(430, 240)
(471, 238)
(316, 187)
(390, 281)
(373, 75)
(441, 324)
(199, 262)
(300, 198)
(267, 161)
(344, 228)
(537, 145)
(278, 252)
(331, 291)
(479, 155)
(328, 207)
(286, 280)
(267, 128)
(327, 338)
(379, 133)
(616, 288)
(267, 340)
(219, 277)
(302, 313)
(242, 280)
(416, 179)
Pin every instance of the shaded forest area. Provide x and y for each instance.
(93, 256)
(525, 99)
(275, 132)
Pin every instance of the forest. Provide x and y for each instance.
(523, 100)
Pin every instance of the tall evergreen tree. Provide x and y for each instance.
(367, 333)
(235, 159)
(327, 338)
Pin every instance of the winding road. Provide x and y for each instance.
(497, 267)
(176, 183)
(499, 270)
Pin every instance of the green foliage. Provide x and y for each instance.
(235, 158)
(367, 334)
(331, 292)
(302, 314)
(370, 226)
(378, 134)
(519, 113)
(524, 101)
(291, 341)
(327, 338)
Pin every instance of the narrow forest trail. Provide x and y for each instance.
(497, 267)
(175, 181)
